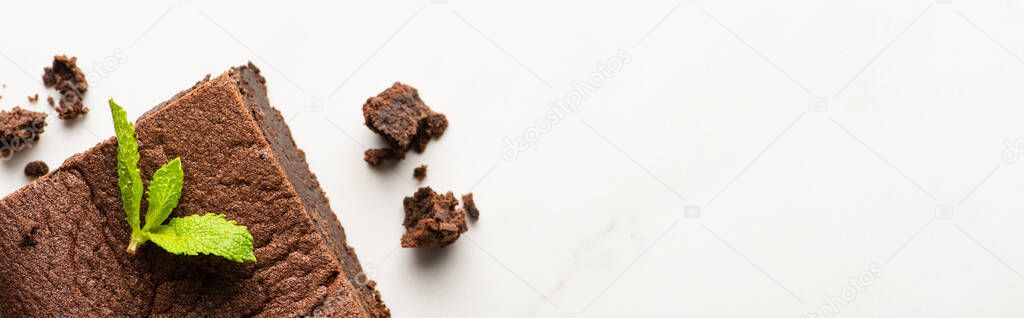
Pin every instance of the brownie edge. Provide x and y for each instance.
(252, 87)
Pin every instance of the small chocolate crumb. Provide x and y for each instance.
(19, 130)
(399, 116)
(49, 100)
(470, 206)
(33, 99)
(36, 169)
(376, 157)
(420, 172)
(432, 220)
(65, 76)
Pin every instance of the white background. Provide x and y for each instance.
(818, 139)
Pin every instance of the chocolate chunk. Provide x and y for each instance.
(432, 220)
(223, 129)
(399, 116)
(65, 76)
(420, 172)
(470, 206)
(36, 169)
(19, 130)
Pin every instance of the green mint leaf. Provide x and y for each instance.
(163, 193)
(129, 181)
(211, 234)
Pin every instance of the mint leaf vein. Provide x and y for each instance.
(205, 234)
(163, 194)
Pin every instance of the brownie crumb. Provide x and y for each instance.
(470, 206)
(36, 169)
(420, 172)
(19, 130)
(399, 116)
(65, 76)
(49, 100)
(33, 99)
(376, 157)
(432, 220)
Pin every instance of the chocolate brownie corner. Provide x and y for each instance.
(62, 237)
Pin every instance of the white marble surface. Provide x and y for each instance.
(814, 141)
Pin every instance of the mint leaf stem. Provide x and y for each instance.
(135, 241)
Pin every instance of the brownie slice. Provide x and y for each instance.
(65, 76)
(404, 120)
(19, 130)
(432, 220)
(240, 160)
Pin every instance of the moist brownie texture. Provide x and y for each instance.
(399, 116)
(36, 169)
(65, 76)
(19, 130)
(420, 172)
(432, 220)
(470, 205)
(239, 160)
